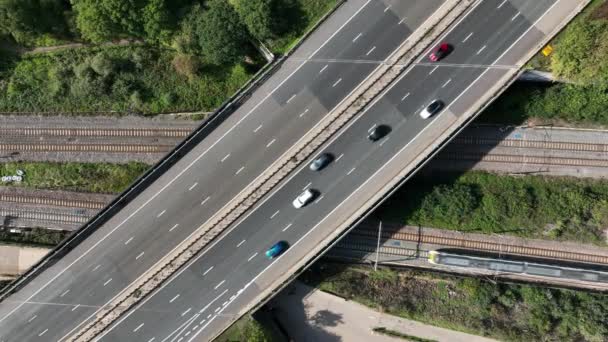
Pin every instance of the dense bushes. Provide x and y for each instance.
(580, 51)
(503, 311)
(27, 20)
(139, 79)
(580, 57)
(555, 208)
(189, 56)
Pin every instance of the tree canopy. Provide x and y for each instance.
(257, 15)
(221, 34)
(24, 19)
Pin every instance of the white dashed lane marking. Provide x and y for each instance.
(467, 37)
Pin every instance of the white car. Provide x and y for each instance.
(432, 109)
(304, 198)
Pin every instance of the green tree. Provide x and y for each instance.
(26, 19)
(101, 20)
(257, 15)
(158, 23)
(221, 33)
(93, 22)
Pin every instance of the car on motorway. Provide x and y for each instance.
(305, 197)
(433, 108)
(321, 162)
(440, 52)
(277, 249)
(378, 132)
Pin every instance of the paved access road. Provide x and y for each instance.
(326, 68)
(204, 297)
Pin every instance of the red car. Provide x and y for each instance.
(440, 52)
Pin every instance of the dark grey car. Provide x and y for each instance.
(321, 162)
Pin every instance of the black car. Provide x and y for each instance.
(321, 162)
(378, 132)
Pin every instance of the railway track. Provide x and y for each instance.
(521, 159)
(478, 245)
(49, 201)
(107, 148)
(39, 216)
(96, 132)
(531, 144)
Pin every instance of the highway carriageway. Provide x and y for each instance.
(323, 71)
(228, 278)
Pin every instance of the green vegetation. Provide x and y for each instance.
(298, 17)
(393, 333)
(246, 329)
(140, 79)
(28, 21)
(258, 16)
(561, 103)
(183, 55)
(579, 56)
(531, 206)
(97, 178)
(503, 311)
(221, 33)
(35, 237)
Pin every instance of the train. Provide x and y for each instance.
(516, 267)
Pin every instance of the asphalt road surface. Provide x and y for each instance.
(205, 296)
(319, 75)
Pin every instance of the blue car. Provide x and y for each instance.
(276, 249)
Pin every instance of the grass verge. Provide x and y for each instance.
(509, 312)
(34, 237)
(531, 206)
(84, 177)
(246, 329)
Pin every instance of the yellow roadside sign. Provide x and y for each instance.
(547, 50)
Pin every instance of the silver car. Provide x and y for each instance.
(306, 197)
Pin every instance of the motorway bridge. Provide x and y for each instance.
(491, 40)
